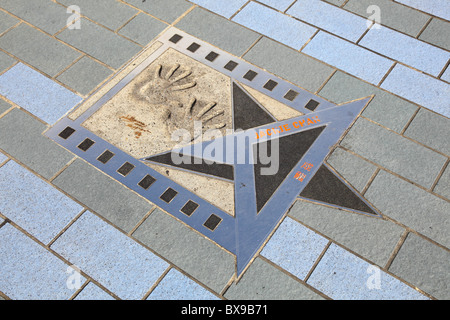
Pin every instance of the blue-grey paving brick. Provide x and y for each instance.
(5, 61)
(411, 206)
(218, 31)
(6, 21)
(93, 292)
(177, 286)
(85, 75)
(419, 88)
(289, 64)
(336, 2)
(406, 49)
(29, 271)
(275, 25)
(2, 158)
(437, 33)
(443, 185)
(343, 276)
(430, 129)
(4, 106)
(281, 5)
(38, 49)
(110, 257)
(385, 108)
(143, 29)
(438, 8)
(294, 248)
(186, 249)
(372, 238)
(352, 168)
(100, 43)
(263, 281)
(394, 152)
(424, 265)
(166, 10)
(21, 137)
(33, 204)
(392, 14)
(103, 195)
(224, 8)
(44, 14)
(110, 13)
(446, 75)
(349, 57)
(36, 93)
(329, 18)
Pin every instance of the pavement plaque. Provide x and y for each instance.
(215, 141)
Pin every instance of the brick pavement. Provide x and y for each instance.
(57, 211)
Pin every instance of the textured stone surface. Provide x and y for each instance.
(438, 8)
(282, 28)
(6, 21)
(34, 204)
(392, 14)
(262, 281)
(102, 194)
(224, 8)
(176, 286)
(294, 247)
(93, 292)
(394, 152)
(85, 75)
(437, 33)
(425, 265)
(385, 108)
(166, 10)
(343, 276)
(21, 260)
(5, 61)
(36, 93)
(289, 64)
(98, 249)
(411, 206)
(218, 31)
(351, 58)
(187, 249)
(443, 185)
(373, 238)
(21, 137)
(133, 29)
(39, 50)
(430, 129)
(100, 43)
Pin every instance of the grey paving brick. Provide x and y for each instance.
(103, 195)
(4, 106)
(5, 61)
(21, 137)
(38, 49)
(135, 29)
(336, 2)
(110, 13)
(431, 129)
(354, 169)
(85, 75)
(385, 108)
(167, 10)
(437, 33)
(263, 281)
(6, 21)
(411, 206)
(44, 14)
(289, 64)
(218, 31)
(372, 238)
(443, 185)
(392, 14)
(187, 249)
(100, 43)
(394, 152)
(424, 265)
